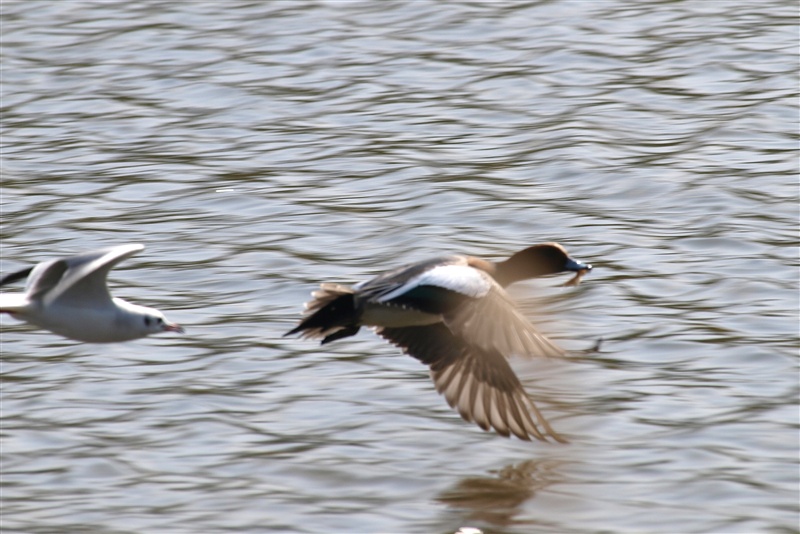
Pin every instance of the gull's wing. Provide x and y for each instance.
(85, 278)
(41, 278)
(478, 382)
(44, 277)
(13, 277)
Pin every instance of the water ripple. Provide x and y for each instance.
(260, 149)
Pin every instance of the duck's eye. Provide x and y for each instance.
(146, 320)
(160, 320)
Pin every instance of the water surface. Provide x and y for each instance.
(258, 149)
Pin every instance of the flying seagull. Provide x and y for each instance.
(69, 297)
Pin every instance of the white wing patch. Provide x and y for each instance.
(459, 278)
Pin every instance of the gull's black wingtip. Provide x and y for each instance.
(13, 277)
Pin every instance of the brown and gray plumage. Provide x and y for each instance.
(453, 314)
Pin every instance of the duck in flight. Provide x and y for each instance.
(70, 297)
(452, 314)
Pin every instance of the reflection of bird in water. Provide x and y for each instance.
(453, 314)
(496, 500)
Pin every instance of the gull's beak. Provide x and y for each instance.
(173, 327)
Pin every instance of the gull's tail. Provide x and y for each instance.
(14, 303)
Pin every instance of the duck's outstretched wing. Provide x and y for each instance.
(477, 381)
(472, 305)
(495, 324)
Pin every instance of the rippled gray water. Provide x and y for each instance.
(259, 148)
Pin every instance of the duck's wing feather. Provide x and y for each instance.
(84, 281)
(494, 323)
(472, 304)
(381, 288)
(478, 382)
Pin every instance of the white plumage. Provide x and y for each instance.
(69, 297)
(462, 279)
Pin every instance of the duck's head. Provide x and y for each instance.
(539, 260)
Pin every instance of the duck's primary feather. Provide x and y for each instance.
(478, 382)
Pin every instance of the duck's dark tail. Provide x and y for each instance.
(331, 315)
